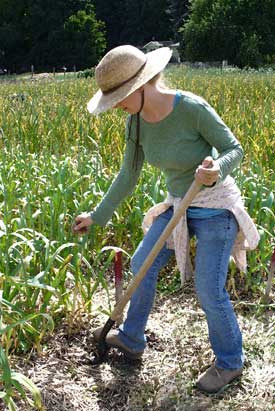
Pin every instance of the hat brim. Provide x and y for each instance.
(155, 63)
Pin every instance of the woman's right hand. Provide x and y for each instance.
(82, 223)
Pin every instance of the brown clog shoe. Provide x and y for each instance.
(113, 341)
(215, 379)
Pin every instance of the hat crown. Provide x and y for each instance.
(118, 66)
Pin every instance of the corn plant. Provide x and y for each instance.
(13, 383)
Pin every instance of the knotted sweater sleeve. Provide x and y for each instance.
(123, 184)
(218, 135)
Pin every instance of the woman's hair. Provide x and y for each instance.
(159, 80)
(135, 161)
(156, 80)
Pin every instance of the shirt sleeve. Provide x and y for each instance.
(124, 183)
(218, 135)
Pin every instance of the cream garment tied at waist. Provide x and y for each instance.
(225, 195)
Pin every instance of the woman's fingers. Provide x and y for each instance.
(208, 162)
(208, 172)
(82, 223)
(206, 178)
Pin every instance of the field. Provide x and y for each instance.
(57, 161)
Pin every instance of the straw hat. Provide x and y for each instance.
(122, 71)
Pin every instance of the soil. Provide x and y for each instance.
(178, 351)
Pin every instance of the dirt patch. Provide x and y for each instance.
(42, 76)
(178, 351)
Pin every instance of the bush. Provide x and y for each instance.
(86, 73)
(238, 31)
(249, 53)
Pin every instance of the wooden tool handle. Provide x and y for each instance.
(184, 204)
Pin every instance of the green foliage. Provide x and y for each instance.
(242, 32)
(70, 34)
(249, 54)
(86, 73)
(177, 11)
(77, 32)
(13, 382)
(135, 21)
(84, 39)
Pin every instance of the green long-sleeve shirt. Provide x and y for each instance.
(176, 145)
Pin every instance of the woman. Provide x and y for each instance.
(175, 131)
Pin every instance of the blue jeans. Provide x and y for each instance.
(215, 238)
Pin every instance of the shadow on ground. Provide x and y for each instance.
(178, 351)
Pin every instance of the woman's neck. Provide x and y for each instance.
(158, 103)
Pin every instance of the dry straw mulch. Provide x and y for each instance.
(178, 351)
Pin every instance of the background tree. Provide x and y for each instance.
(12, 40)
(177, 11)
(113, 13)
(151, 21)
(40, 32)
(242, 31)
(135, 21)
(53, 33)
(84, 39)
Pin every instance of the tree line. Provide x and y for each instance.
(57, 33)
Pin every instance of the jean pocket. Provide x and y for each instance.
(228, 223)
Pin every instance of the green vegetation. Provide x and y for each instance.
(12, 381)
(78, 32)
(70, 35)
(242, 32)
(57, 161)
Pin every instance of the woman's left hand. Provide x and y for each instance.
(208, 172)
